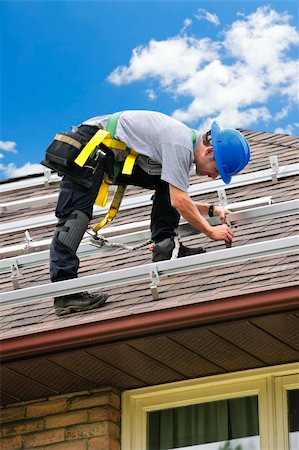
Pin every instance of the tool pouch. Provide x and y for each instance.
(64, 149)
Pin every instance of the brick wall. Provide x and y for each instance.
(88, 420)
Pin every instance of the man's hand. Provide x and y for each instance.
(221, 213)
(222, 233)
(192, 212)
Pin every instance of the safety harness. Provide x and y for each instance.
(106, 137)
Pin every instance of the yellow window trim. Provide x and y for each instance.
(283, 384)
(270, 384)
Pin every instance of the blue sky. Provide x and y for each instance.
(65, 61)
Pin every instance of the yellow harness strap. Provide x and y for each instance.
(90, 146)
(113, 210)
(104, 136)
(114, 143)
(129, 162)
(100, 136)
(127, 169)
(102, 196)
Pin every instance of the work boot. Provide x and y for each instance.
(81, 301)
(166, 250)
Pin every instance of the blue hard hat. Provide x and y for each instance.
(231, 151)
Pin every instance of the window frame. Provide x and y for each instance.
(270, 384)
(283, 384)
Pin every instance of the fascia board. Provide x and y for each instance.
(148, 322)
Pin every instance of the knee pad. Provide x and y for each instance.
(72, 229)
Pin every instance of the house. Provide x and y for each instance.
(199, 353)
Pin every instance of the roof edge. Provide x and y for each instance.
(87, 334)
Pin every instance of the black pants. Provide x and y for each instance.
(64, 262)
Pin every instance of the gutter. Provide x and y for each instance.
(154, 322)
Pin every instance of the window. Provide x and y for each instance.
(251, 410)
(293, 419)
(222, 425)
(287, 411)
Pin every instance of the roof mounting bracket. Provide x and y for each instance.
(275, 168)
(15, 274)
(222, 197)
(155, 280)
(47, 174)
(28, 240)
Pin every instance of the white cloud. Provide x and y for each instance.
(260, 42)
(187, 24)
(250, 115)
(151, 94)
(282, 113)
(171, 61)
(8, 146)
(291, 129)
(233, 79)
(11, 171)
(228, 117)
(202, 14)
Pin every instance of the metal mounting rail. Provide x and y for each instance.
(37, 257)
(47, 178)
(144, 200)
(35, 246)
(269, 212)
(248, 178)
(153, 271)
(44, 244)
(17, 205)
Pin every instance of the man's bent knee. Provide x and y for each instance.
(71, 230)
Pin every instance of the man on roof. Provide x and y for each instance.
(167, 150)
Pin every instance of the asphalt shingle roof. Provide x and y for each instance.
(199, 286)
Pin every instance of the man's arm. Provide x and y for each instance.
(192, 213)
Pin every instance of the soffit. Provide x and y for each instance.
(152, 360)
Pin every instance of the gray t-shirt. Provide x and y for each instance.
(164, 144)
